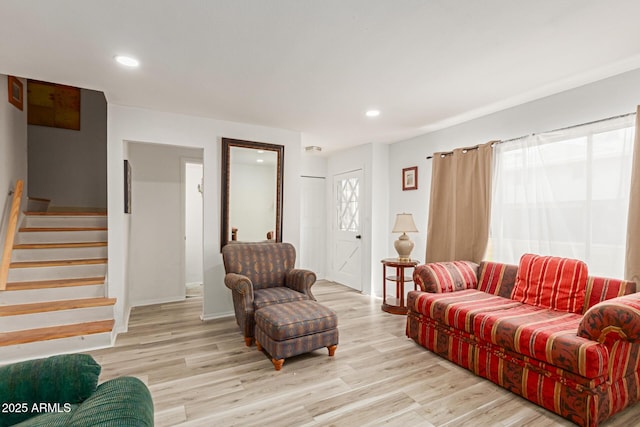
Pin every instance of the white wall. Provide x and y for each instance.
(69, 167)
(372, 159)
(193, 223)
(156, 249)
(609, 97)
(312, 253)
(381, 211)
(313, 165)
(142, 125)
(13, 153)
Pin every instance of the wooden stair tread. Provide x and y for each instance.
(59, 283)
(38, 199)
(55, 332)
(58, 263)
(59, 245)
(43, 307)
(62, 213)
(55, 229)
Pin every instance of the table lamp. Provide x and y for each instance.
(404, 224)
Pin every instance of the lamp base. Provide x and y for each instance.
(403, 246)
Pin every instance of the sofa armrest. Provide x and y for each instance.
(64, 379)
(301, 280)
(240, 284)
(612, 320)
(122, 401)
(438, 277)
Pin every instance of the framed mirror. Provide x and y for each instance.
(252, 183)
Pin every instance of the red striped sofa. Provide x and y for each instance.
(543, 329)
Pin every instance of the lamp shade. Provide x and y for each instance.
(404, 224)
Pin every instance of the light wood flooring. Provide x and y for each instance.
(202, 374)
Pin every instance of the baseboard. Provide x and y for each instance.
(124, 326)
(157, 301)
(76, 209)
(205, 317)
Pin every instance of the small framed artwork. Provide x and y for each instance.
(16, 92)
(410, 178)
(127, 187)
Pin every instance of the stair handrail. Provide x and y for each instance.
(11, 233)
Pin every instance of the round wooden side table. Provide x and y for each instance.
(395, 304)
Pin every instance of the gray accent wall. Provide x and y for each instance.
(69, 167)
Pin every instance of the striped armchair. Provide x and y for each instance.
(262, 274)
(544, 329)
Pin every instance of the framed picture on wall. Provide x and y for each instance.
(410, 178)
(16, 92)
(127, 187)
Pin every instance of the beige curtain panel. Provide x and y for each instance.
(632, 260)
(459, 210)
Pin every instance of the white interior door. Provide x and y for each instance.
(313, 236)
(347, 225)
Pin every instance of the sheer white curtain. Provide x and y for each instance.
(564, 193)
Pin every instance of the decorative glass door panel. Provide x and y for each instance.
(346, 263)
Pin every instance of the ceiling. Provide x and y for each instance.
(316, 66)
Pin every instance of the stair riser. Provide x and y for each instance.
(65, 221)
(53, 294)
(55, 318)
(58, 254)
(61, 236)
(54, 273)
(16, 353)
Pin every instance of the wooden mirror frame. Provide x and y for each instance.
(227, 144)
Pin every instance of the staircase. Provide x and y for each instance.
(54, 300)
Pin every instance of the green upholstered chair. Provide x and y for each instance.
(63, 391)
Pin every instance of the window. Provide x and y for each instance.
(348, 191)
(564, 193)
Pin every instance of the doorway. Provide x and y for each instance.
(156, 252)
(346, 260)
(193, 244)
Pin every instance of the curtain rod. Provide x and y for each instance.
(555, 130)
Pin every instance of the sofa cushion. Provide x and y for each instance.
(457, 309)
(497, 278)
(446, 276)
(63, 379)
(551, 282)
(601, 289)
(265, 264)
(121, 401)
(546, 335)
(275, 295)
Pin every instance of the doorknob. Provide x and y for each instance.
(358, 236)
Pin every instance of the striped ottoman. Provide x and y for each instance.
(293, 328)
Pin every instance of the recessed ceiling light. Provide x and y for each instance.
(373, 113)
(260, 161)
(127, 61)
